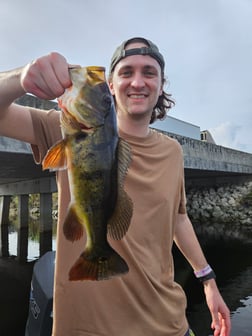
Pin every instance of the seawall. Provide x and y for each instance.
(221, 211)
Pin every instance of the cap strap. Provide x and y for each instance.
(137, 51)
(142, 51)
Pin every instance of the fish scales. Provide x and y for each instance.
(97, 161)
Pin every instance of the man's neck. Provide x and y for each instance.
(138, 128)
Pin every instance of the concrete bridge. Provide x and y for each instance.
(205, 164)
(210, 164)
(203, 161)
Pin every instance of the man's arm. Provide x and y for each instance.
(186, 240)
(47, 78)
(15, 120)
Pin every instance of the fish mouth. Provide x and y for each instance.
(82, 126)
(85, 128)
(73, 121)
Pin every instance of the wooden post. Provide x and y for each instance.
(46, 223)
(4, 225)
(23, 228)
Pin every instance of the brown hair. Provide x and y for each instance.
(164, 103)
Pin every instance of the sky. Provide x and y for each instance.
(207, 46)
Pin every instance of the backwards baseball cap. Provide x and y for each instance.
(151, 50)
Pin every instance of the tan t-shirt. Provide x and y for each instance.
(146, 301)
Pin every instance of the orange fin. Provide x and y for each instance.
(120, 220)
(72, 227)
(101, 268)
(55, 157)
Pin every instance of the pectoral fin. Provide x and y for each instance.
(55, 157)
(120, 220)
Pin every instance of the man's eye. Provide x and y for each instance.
(126, 73)
(149, 73)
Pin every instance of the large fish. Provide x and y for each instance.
(97, 161)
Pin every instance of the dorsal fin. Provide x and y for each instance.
(120, 220)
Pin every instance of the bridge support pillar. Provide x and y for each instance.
(4, 225)
(46, 223)
(23, 227)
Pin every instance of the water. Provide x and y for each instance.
(33, 246)
(242, 318)
(33, 240)
(232, 262)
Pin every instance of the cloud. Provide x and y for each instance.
(232, 135)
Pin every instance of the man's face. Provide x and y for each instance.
(136, 84)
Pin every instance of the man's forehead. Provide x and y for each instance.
(143, 61)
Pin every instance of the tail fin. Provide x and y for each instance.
(101, 268)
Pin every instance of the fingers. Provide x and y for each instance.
(47, 77)
(215, 324)
(221, 324)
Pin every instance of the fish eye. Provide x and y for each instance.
(106, 100)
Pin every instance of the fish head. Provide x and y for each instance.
(88, 101)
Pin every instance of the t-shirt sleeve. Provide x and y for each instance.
(47, 131)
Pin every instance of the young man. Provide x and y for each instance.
(146, 301)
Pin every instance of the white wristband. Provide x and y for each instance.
(203, 272)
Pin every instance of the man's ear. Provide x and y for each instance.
(110, 84)
(161, 89)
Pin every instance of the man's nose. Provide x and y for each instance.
(137, 81)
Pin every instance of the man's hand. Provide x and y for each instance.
(221, 323)
(46, 77)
